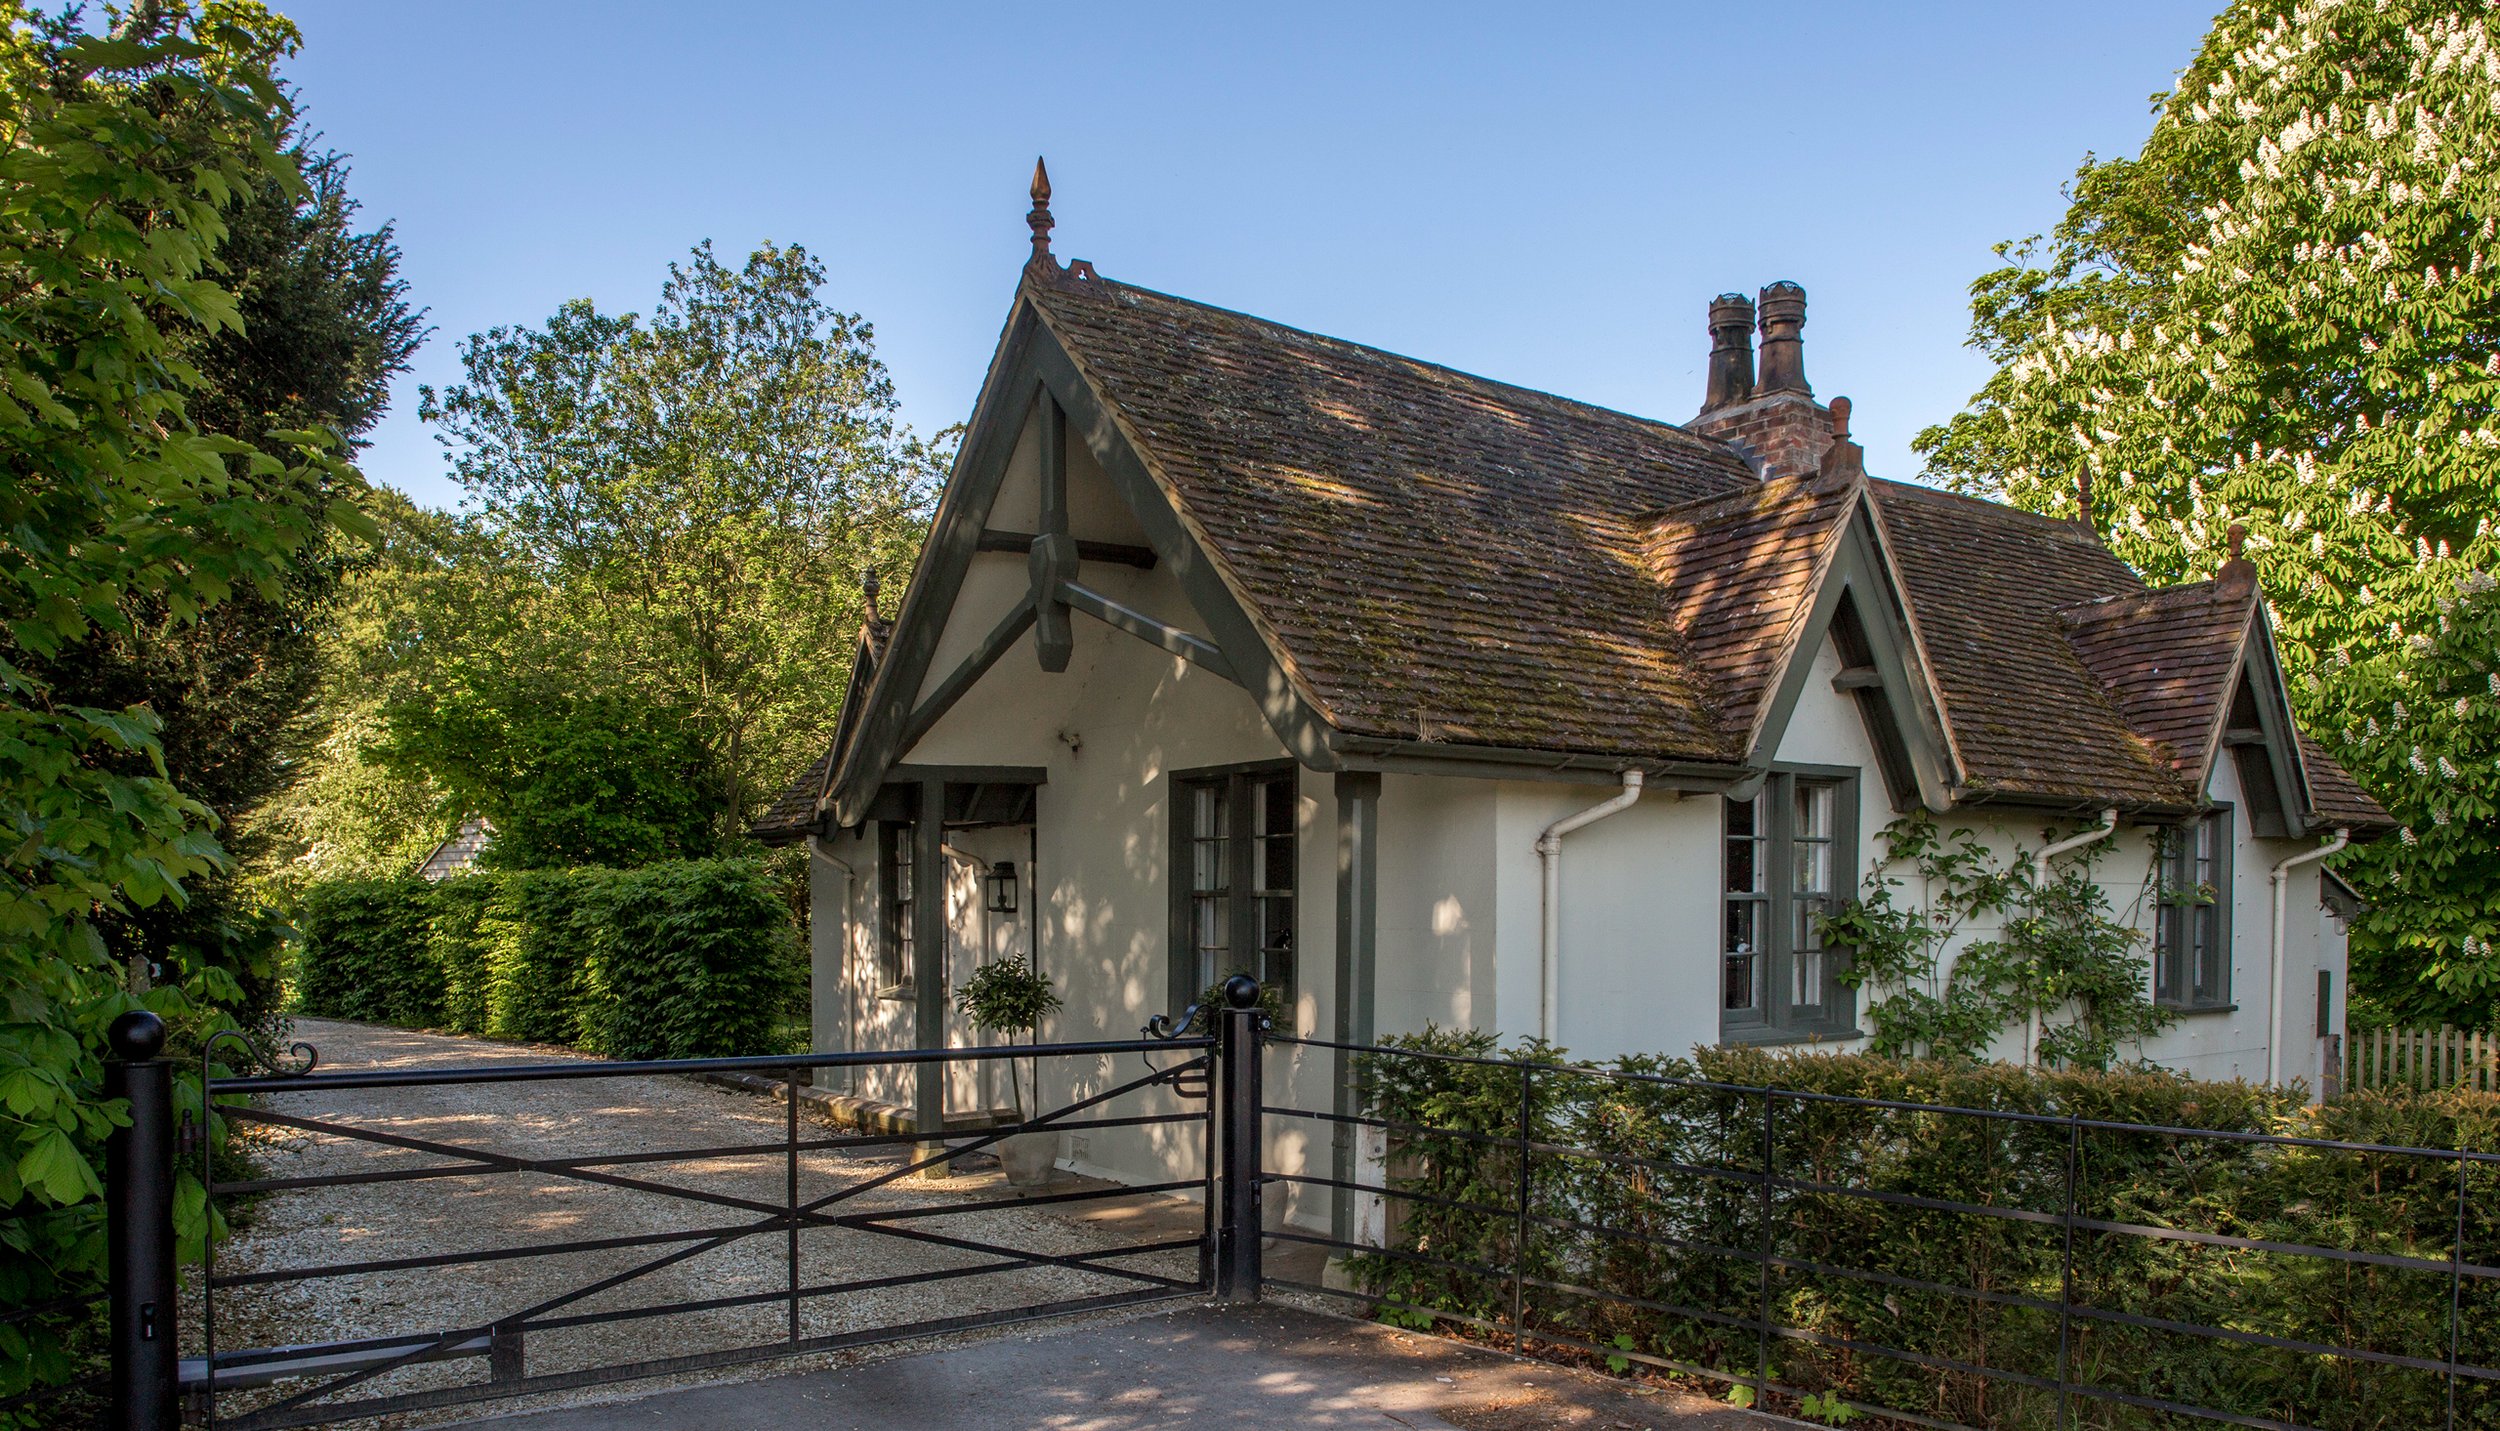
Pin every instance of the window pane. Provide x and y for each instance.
(1814, 812)
(1808, 964)
(1746, 869)
(1274, 814)
(2208, 949)
(1276, 804)
(1742, 949)
(2166, 953)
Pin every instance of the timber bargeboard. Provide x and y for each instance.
(1031, 376)
(1899, 709)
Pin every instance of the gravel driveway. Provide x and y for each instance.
(421, 1217)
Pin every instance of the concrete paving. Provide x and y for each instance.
(1198, 1368)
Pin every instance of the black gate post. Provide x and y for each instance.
(1237, 1244)
(139, 1220)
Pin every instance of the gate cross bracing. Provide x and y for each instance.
(154, 1388)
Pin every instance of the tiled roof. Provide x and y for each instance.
(794, 809)
(458, 854)
(1985, 584)
(2336, 797)
(2167, 657)
(1437, 555)
(1739, 573)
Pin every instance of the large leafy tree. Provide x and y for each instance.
(125, 152)
(671, 513)
(323, 324)
(2285, 313)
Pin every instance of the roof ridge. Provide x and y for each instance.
(1691, 512)
(2206, 588)
(1097, 281)
(2060, 528)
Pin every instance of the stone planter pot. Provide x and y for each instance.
(1029, 1159)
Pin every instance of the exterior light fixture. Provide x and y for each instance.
(1002, 887)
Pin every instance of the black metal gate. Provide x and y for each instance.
(260, 1388)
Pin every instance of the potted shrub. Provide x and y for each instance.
(1011, 997)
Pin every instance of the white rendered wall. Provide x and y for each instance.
(1110, 731)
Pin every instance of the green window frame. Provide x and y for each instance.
(2192, 915)
(1235, 870)
(895, 891)
(1788, 856)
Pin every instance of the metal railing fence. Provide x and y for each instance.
(1953, 1267)
(155, 1388)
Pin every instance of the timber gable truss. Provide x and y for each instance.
(1035, 382)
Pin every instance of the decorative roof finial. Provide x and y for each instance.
(1844, 460)
(2237, 573)
(869, 585)
(1039, 220)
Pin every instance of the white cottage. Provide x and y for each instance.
(1433, 700)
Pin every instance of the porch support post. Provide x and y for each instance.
(928, 949)
(1358, 933)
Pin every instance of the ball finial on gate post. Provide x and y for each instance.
(1241, 991)
(1039, 219)
(136, 1036)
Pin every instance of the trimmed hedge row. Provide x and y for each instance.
(1652, 1197)
(688, 959)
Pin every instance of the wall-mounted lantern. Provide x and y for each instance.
(1002, 883)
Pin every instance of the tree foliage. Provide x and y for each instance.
(673, 513)
(126, 151)
(2285, 313)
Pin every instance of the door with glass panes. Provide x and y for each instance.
(1234, 901)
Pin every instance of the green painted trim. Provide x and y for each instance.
(1902, 696)
(2263, 671)
(1296, 722)
(928, 933)
(954, 538)
(1357, 797)
(1189, 647)
(994, 539)
(973, 667)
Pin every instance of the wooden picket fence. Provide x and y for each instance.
(2443, 1057)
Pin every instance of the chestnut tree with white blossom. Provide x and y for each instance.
(2285, 313)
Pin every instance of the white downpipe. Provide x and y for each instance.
(2039, 871)
(1549, 851)
(2274, 981)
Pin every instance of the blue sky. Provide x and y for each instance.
(1548, 196)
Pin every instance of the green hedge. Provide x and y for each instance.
(1687, 1243)
(689, 959)
(365, 930)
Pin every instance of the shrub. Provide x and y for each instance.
(539, 945)
(1653, 1196)
(695, 959)
(364, 942)
(458, 941)
(684, 960)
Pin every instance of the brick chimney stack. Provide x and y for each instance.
(1771, 419)
(1731, 352)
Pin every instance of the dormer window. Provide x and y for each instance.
(1786, 862)
(2192, 933)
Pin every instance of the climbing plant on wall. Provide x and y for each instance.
(2059, 968)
